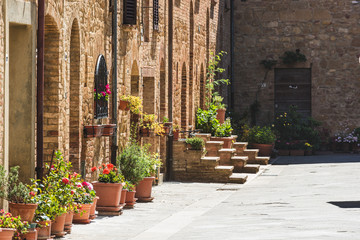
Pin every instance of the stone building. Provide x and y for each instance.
(162, 55)
(325, 86)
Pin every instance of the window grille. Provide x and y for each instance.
(100, 92)
(156, 14)
(130, 12)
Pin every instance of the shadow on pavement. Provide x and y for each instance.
(346, 204)
(318, 159)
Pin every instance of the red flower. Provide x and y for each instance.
(65, 180)
(32, 194)
(106, 171)
(115, 169)
(110, 166)
(72, 192)
(52, 168)
(93, 169)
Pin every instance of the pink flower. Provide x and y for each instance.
(108, 91)
(65, 180)
(79, 185)
(94, 89)
(103, 93)
(107, 86)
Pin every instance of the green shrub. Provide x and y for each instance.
(223, 130)
(261, 135)
(206, 120)
(196, 143)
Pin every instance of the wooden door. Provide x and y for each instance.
(293, 87)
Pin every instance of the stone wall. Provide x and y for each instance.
(325, 31)
(2, 77)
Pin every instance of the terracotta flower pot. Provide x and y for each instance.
(130, 199)
(124, 105)
(123, 196)
(45, 230)
(143, 189)
(57, 227)
(176, 134)
(93, 207)
(264, 149)
(228, 141)
(93, 131)
(109, 129)
(83, 215)
(32, 234)
(68, 221)
(7, 233)
(25, 211)
(109, 194)
(221, 115)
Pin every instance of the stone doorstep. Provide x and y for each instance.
(224, 168)
(204, 136)
(252, 154)
(238, 162)
(260, 160)
(210, 161)
(238, 178)
(251, 168)
(240, 145)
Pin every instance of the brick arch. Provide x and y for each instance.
(135, 78)
(184, 119)
(191, 64)
(51, 87)
(202, 86)
(74, 124)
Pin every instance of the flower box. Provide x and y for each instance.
(109, 130)
(93, 131)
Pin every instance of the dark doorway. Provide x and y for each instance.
(293, 87)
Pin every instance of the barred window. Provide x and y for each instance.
(130, 12)
(101, 91)
(156, 14)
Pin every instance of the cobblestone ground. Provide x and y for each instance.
(313, 197)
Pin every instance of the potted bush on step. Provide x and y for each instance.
(223, 133)
(262, 138)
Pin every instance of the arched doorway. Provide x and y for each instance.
(51, 88)
(74, 124)
(135, 80)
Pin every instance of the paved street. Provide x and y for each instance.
(295, 198)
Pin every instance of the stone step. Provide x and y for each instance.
(210, 161)
(225, 155)
(204, 136)
(238, 162)
(212, 147)
(260, 160)
(250, 153)
(251, 168)
(240, 146)
(238, 178)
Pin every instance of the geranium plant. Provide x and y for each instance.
(8, 221)
(103, 94)
(108, 173)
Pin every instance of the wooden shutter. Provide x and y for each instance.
(130, 12)
(156, 14)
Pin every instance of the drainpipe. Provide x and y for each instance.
(40, 91)
(114, 146)
(232, 55)
(169, 157)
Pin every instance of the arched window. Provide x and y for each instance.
(102, 90)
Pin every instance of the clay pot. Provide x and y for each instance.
(109, 129)
(130, 199)
(32, 234)
(124, 105)
(228, 141)
(57, 227)
(25, 211)
(264, 149)
(176, 134)
(45, 230)
(7, 233)
(109, 194)
(123, 196)
(93, 131)
(83, 215)
(93, 207)
(221, 115)
(143, 189)
(68, 221)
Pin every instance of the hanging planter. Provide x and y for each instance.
(109, 130)
(124, 105)
(93, 131)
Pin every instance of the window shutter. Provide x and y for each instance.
(130, 12)
(156, 14)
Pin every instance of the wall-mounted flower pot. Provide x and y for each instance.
(124, 105)
(93, 131)
(221, 115)
(109, 130)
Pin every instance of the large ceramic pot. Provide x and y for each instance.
(221, 115)
(57, 227)
(45, 230)
(68, 221)
(130, 199)
(7, 233)
(83, 215)
(93, 208)
(25, 211)
(123, 196)
(109, 194)
(264, 149)
(228, 141)
(143, 189)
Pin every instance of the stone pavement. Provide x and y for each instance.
(295, 198)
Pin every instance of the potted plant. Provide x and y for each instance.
(135, 104)
(108, 188)
(130, 199)
(84, 196)
(11, 227)
(262, 138)
(308, 149)
(220, 108)
(195, 143)
(176, 132)
(283, 147)
(150, 124)
(223, 133)
(124, 103)
(109, 129)
(93, 131)
(21, 197)
(297, 148)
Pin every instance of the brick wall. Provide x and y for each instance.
(325, 31)
(2, 77)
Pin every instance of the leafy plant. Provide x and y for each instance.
(217, 102)
(223, 130)
(165, 119)
(261, 135)
(135, 103)
(8, 221)
(150, 122)
(108, 173)
(196, 143)
(104, 94)
(290, 57)
(206, 120)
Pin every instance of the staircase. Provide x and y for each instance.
(218, 164)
